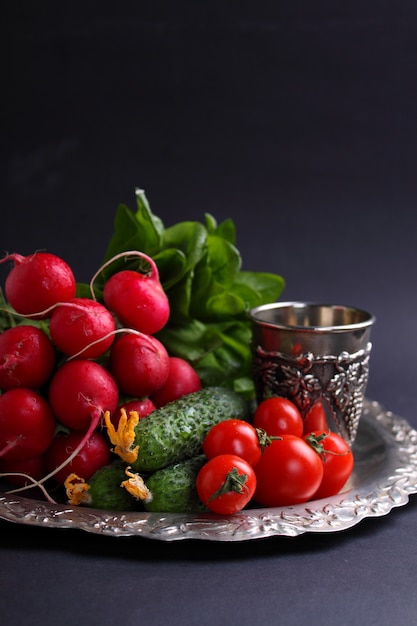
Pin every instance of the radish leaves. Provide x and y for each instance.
(201, 272)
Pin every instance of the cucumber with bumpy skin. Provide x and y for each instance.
(104, 490)
(176, 431)
(173, 488)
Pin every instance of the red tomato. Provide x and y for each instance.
(315, 419)
(337, 459)
(289, 472)
(278, 416)
(226, 483)
(233, 436)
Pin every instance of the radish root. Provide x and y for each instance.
(130, 253)
(35, 483)
(118, 331)
(39, 483)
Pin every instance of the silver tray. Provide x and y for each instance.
(384, 476)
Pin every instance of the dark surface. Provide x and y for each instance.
(299, 122)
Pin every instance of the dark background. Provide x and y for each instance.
(296, 119)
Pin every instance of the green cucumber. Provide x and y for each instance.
(105, 491)
(173, 488)
(176, 431)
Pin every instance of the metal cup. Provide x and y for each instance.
(314, 353)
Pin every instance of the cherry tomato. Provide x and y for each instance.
(337, 459)
(315, 418)
(278, 416)
(233, 436)
(289, 472)
(226, 483)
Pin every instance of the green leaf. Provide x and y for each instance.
(179, 296)
(185, 340)
(190, 238)
(224, 305)
(219, 352)
(213, 278)
(224, 260)
(171, 264)
(249, 296)
(245, 386)
(150, 226)
(211, 223)
(203, 287)
(268, 286)
(141, 231)
(83, 291)
(226, 230)
(126, 234)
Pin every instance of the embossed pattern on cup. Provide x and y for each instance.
(311, 353)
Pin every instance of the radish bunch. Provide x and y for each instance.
(66, 359)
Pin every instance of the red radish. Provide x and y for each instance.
(142, 406)
(37, 282)
(82, 327)
(27, 424)
(138, 300)
(139, 364)
(182, 380)
(27, 357)
(95, 453)
(19, 471)
(79, 393)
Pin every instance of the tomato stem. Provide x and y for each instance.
(315, 442)
(264, 439)
(234, 482)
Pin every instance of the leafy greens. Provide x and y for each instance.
(210, 295)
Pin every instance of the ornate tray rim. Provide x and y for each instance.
(389, 484)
